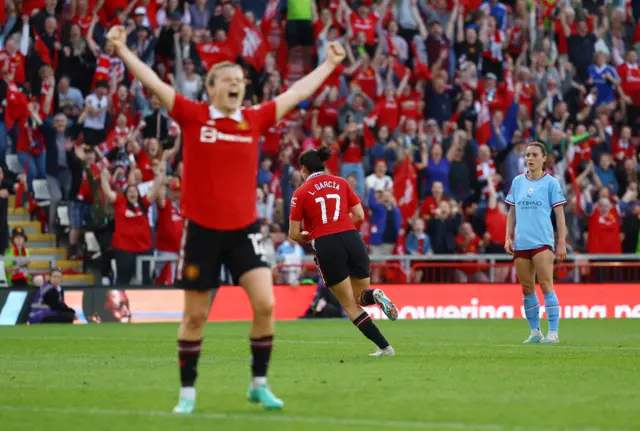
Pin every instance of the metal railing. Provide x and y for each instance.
(577, 264)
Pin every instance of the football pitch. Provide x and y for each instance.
(447, 375)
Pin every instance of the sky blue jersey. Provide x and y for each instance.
(533, 201)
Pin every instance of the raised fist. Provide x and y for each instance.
(335, 53)
(118, 36)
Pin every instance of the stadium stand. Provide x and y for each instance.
(428, 117)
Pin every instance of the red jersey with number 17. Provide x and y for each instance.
(323, 203)
(220, 162)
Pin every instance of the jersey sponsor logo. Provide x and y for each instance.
(293, 201)
(529, 204)
(210, 135)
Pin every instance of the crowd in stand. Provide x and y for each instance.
(428, 117)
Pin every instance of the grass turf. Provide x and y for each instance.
(447, 375)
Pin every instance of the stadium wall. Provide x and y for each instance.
(429, 301)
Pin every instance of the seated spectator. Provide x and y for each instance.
(48, 305)
(17, 272)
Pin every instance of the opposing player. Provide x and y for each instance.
(218, 204)
(531, 198)
(329, 208)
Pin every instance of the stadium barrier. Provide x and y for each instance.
(139, 304)
(485, 268)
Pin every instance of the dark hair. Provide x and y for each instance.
(314, 160)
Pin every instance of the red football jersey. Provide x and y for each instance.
(169, 229)
(133, 233)
(323, 204)
(221, 162)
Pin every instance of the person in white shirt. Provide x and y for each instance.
(95, 115)
(379, 180)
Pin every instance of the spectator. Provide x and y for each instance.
(48, 305)
(8, 186)
(379, 180)
(605, 174)
(291, 255)
(70, 100)
(443, 228)
(417, 243)
(31, 149)
(170, 224)
(353, 149)
(94, 116)
(467, 242)
(58, 141)
(200, 14)
(386, 221)
(82, 164)
(132, 236)
(18, 272)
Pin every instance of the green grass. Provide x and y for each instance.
(447, 375)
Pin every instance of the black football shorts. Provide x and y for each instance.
(204, 251)
(341, 255)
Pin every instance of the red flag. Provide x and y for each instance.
(247, 40)
(16, 108)
(43, 51)
(405, 188)
(215, 52)
(367, 135)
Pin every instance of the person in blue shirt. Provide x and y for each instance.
(530, 238)
(604, 77)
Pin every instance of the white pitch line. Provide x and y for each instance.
(347, 343)
(278, 417)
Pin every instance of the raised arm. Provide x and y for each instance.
(167, 95)
(157, 190)
(91, 42)
(301, 90)
(109, 194)
(24, 36)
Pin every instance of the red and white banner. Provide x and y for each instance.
(426, 301)
(247, 40)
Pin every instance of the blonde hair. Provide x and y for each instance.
(211, 75)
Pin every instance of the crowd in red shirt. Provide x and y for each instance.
(446, 93)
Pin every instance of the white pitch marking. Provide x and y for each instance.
(348, 343)
(325, 420)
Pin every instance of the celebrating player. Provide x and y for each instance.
(531, 199)
(221, 146)
(329, 208)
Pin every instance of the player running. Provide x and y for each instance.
(531, 198)
(329, 208)
(218, 204)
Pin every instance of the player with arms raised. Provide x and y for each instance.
(531, 198)
(329, 208)
(221, 146)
